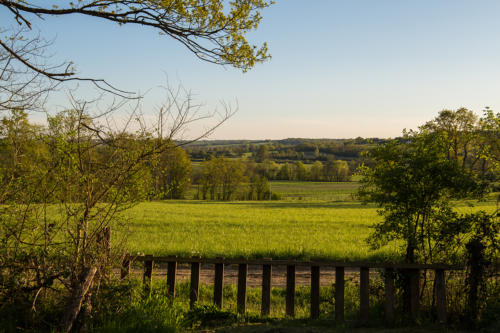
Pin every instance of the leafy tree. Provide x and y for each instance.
(459, 131)
(285, 172)
(300, 171)
(316, 172)
(171, 172)
(413, 182)
(471, 141)
(336, 171)
(268, 169)
(221, 178)
(213, 33)
(20, 154)
(414, 179)
(316, 151)
(489, 127)
(259, 188)
(63, 186)
(262, 153)
(84, 184)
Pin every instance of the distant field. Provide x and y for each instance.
(323, 191)
(307, 191)
(325, 224)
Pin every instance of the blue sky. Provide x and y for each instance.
(339, 69)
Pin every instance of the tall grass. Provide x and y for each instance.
(255, 229)
(315, 221)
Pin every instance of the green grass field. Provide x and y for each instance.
(313, 222)
(315, 191)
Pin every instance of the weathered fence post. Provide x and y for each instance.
(148, 274)
(440, 285)
(104, 241)
(195, 283)
(389, 295)
(242, 288)
(364, 294)
(412, 272)
(414, 292)
(76, 300)
(125, 269)
(290, 290)
(219, 284)
(315, 274)
(171, 276)
(339, 294)
(266, 289)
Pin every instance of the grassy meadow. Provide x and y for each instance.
(312, 221)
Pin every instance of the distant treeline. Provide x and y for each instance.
(222, 178)
(25, 147)
(287, 150)
(241, 178)
(233, 172)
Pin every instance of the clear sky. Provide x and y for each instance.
(339, 69)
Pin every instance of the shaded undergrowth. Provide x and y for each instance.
(125, 308)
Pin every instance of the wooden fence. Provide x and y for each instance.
(267, 264)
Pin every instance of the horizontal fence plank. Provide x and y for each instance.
(333, 263)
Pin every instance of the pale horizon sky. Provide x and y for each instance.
(339, 69)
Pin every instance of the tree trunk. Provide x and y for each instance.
(87, 311)
(77, 297)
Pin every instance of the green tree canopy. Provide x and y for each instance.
(213, 30)
(413, 181)
(208, 29)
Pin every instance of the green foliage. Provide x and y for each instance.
(203, 316)
(287, 150)
(262, 153)
(316, 172)
(413, 183)
(285, 172)
(213, 30)
(221, 178)
(301, 172)
(479, 234)
(120, 308)
(490, 316)
(489, 125)
(259, 189)
(336, 171)
(171, 171)
(62, 187)
(21, 156)
(414, 179)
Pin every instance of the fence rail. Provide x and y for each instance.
(315, 266)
